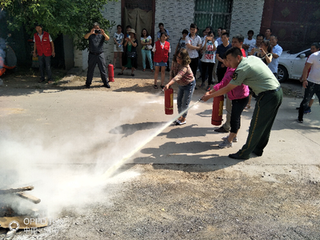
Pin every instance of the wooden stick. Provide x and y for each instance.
(14, 190)
(29, 197)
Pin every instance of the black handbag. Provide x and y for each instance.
(131, 54)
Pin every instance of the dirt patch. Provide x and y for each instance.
(196, 202)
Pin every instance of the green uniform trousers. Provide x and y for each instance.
(264, 114)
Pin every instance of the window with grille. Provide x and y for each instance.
(214, 13)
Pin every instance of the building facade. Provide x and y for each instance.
(237, 16)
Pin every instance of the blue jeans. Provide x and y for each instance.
(184, 97)
(147, 53)
(45, 65)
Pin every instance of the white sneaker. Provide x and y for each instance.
(234, 140)
(180, 123)
(225, 144)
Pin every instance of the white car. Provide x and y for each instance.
(291, 64)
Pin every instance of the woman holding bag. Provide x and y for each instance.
(146, 42)
(130, 55)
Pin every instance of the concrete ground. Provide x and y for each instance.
(179, 185)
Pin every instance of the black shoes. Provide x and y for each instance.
(237, 156)
(104, 85)
(258, 153)
(221, 130)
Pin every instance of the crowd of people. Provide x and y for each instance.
(243, 68)
(207, 53)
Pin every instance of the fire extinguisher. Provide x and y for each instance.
(111, 73)
(217, 109)
(168, 101)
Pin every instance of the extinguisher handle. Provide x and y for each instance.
(163, 89)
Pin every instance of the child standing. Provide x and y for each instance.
(182, 74)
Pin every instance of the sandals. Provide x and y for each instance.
(156, 86)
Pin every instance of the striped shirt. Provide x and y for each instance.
(181, 74)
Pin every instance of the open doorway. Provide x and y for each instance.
(139, 14)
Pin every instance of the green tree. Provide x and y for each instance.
(70, 17)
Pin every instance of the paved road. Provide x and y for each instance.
(41, 131)
(86, 120)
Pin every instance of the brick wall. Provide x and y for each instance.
(176, 15)
(246, 15)
(112, 12)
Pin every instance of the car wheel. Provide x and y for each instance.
(282, 74)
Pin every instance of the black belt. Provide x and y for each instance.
(270, 91)
(96, 53)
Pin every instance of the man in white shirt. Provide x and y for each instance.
(311, 83)
(193, 44)
(249, 42)
(276, 53)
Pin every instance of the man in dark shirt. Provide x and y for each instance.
(220, 53)
(96, 37)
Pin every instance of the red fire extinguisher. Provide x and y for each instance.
(217, 109)
(111, 73)
(168, 101)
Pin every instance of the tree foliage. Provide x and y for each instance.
(70, 17)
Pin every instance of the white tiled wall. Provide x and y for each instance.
(246, 15)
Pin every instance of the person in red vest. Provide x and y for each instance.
(43, 45)
(161, 51)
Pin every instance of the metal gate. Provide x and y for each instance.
(214, 13)
(295, 22)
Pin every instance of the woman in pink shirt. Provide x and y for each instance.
(239, 97)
